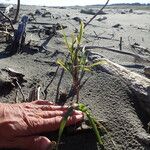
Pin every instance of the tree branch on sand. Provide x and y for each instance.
(17, 12)
(7, 19)
(97, 13)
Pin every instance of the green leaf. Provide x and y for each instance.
(92, 122)
(87, 69)
(84, 109)
(62, 64)
(100, 125)
(101, 62)
(63, 124)
(69, 46)
(79, 37)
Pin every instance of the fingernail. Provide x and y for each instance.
(52, 146)
(79, 117)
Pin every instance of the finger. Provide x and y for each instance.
(50, 114)
(53, 107)
(30, 143)
(42, 102)
(34, 143)
(52, 124)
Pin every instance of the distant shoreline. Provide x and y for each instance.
(115, 4)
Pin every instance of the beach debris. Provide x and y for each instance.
(120, 44)
(56, 52)
(1, 13)
(77, 19)
(5, 34)
(92, 12)
(15, 81)
(2, 7)
(139, 84)
(97, 13)
(19, 36)
(50, 30)
(34, 94)
(9, 9)
(147, 71)
(32, 17)
(116, 25)
(47, 14)
(123, 12)
(38, 12)
(67, 15)
(131, 11)
(17, 12)
(15, 74)
(140, 48)
(136, 56)
(101, 19)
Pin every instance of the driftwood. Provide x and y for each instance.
(19, 35)
(136, 56)
(7, 19)
(99, 12)
(8, 9)
(15, 74)
(17, 12)
(141, 48)
(139, 84)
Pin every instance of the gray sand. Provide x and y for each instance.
(109, 97)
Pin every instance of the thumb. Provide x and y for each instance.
(35, 143)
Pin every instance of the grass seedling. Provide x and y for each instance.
(77, 65)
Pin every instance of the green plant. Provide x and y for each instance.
(93, 123)
(76, 65)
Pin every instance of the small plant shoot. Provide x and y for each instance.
(77, 64)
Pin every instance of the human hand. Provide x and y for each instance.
(21, 123)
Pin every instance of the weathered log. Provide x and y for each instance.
(19, 35)
(136, 56)
(139, 84)
(9, 9)
(15, 74)
(8, 20)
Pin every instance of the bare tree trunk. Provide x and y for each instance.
(17, 12)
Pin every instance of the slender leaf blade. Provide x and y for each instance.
(79, 37)
(63, 124)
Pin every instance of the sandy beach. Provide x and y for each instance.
(109, 97)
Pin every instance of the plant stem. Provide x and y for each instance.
(76, 73)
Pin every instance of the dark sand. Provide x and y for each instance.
(109, 97)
